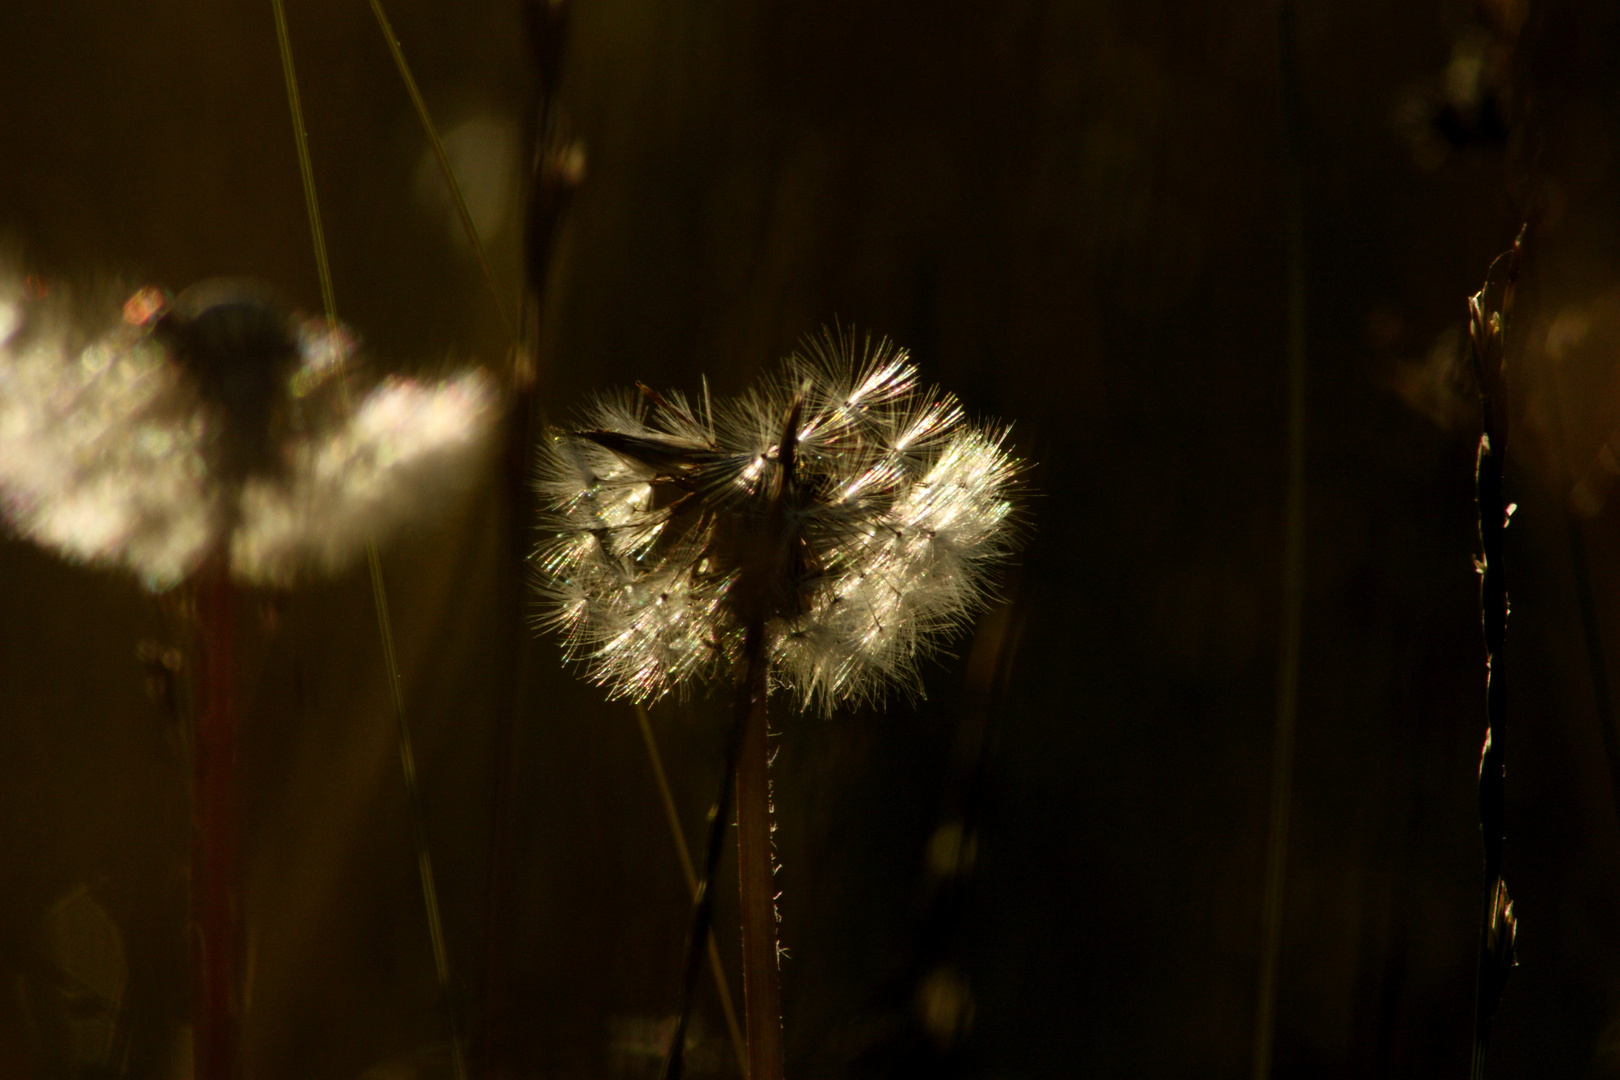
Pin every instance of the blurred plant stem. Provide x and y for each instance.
(1293, 584)
(1488, 317)
(556, 167)
(215, 877)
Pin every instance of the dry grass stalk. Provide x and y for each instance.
(1488, 314)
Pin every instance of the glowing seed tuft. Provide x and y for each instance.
(876, 540)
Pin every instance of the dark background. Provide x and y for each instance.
(1075, 215)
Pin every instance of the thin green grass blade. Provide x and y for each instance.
(444, 164)
(379, 592)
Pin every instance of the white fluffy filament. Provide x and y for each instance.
(106, 451)
(896, 512)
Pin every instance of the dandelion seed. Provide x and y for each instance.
(154, 435)
(853, 513)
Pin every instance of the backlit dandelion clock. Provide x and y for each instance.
(204, 440)
(849, 512)
(817, 535)
(214, 425)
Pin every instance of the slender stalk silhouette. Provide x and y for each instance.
(1488, 313)
(739, 1045)
(1293, 584)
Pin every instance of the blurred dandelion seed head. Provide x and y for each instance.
(852, 513)
(157, 432)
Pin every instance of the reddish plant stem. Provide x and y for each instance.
(762, 997)
(215, 907)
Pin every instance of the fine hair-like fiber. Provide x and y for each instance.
(852, 511)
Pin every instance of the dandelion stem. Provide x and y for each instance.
(762, 998)
(215, 885)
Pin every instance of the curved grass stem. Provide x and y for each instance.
(407, 753)
(722, 985)
(443, 159)
(703, 896)
(1293, 591)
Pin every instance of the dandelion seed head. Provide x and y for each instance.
(97, 460)
(409, 446)
(152, 434)
(853, 513)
